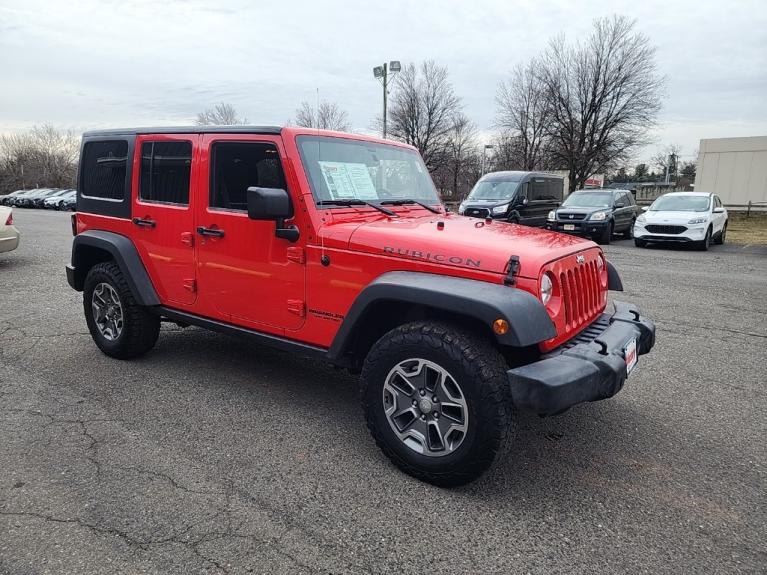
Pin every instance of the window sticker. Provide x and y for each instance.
(346, 180)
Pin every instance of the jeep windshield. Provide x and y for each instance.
(341, 170)
(493, 190)
(680, 204)
(588, 200)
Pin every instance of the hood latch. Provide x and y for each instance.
(512, 268)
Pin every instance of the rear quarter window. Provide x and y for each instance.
(104, 169)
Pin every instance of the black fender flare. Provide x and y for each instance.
(614, 282)
(124, 254)
(529, 323)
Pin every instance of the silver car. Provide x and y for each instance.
(9, 235)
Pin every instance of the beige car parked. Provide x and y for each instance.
(9, 235)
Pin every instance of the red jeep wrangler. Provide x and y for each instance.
(336, 247)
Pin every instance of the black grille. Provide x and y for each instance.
(566, 216)
(477, 212)
(670, 230)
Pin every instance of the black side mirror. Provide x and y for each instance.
(272, 204)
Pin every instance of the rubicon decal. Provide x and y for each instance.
(429, 256)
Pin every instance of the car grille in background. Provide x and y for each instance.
(671, 230)
(581, 293)
(574, 217)
(477, 212)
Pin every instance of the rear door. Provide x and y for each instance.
(164, 175)
(247, 275)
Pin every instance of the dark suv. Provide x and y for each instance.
(597, 214)
(514, 197)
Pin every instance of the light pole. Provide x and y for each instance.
(484, 156)
(382, 73)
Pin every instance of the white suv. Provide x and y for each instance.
(692, 217)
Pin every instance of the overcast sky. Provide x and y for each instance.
(83, 64)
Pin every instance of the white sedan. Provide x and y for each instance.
(690, 217)
(9, 235)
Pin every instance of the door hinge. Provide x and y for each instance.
(297, 307)
(296, 254)
(187, 238)
(191, 285)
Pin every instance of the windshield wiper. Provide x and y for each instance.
(404, 201)
(355, 202)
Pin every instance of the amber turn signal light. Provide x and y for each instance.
(501, 326)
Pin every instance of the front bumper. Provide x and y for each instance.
(695, 233)
(580, 227)
(589, 367)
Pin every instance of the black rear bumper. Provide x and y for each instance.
(589, 367)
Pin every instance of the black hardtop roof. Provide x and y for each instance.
(515, 176)
(185, 130)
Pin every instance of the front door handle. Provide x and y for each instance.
(145, 222)
(210, 232)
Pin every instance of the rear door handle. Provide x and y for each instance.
(147, 223)
(210, 232)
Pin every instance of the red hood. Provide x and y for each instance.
(465, 242)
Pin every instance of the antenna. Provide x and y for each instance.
(324, 259)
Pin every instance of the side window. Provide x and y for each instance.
(165, 171)
(537, 189)
(237, 166)
(629, 198)
(524, 190)
(103, 168)
(718, 202)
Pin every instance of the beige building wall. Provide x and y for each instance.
(733, 168)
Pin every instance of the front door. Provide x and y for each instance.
(247, 275)
(164, 177)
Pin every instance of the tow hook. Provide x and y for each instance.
(512, 267)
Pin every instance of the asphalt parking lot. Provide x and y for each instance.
(209, 455)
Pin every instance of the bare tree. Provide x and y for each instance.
(44, 156)
(523, 117)
(603, 97)
(326, 116)
(221, 114)
(422, 110)
(462, 146)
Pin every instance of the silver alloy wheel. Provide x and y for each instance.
(107, 311)
(425, 407)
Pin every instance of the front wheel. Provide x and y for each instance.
(606, 235)
(437, 401)
(119, 326)
(704, 244)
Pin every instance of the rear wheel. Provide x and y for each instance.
(629, 233)
(119, 326)
(722, 236)
(437, 401)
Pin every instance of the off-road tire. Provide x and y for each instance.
(640, 243)
(606, 235)
(480, 370)
(140, 328)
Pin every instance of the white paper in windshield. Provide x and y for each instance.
(347, 180)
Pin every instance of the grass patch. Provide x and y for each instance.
(743, 230)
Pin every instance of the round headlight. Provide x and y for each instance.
(546, 288)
